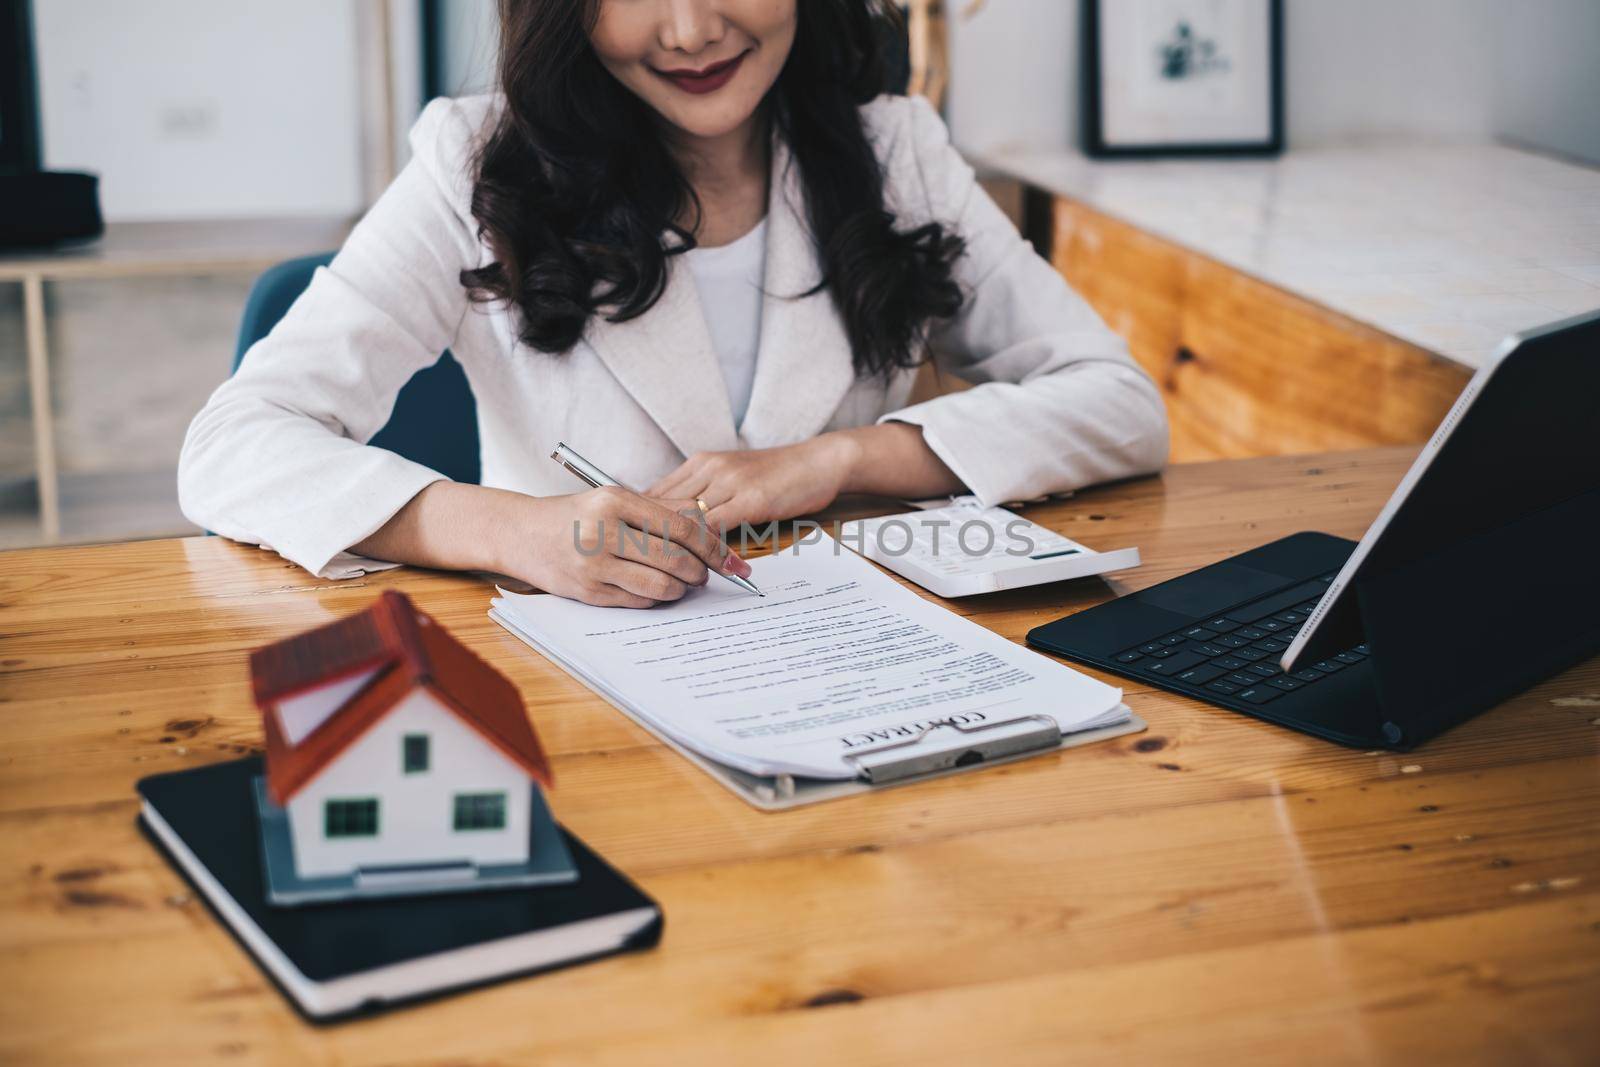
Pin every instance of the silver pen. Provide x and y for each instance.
(596, 477)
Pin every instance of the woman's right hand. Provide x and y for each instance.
(608, 546)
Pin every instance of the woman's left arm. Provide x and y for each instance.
(1059, 402)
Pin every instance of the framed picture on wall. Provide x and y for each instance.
(1183, 77)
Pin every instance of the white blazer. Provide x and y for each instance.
(277, 457)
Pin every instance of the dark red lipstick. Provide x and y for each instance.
(708, 80)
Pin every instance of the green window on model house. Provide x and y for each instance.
(414, 756)
(355, 817)
(480, 811)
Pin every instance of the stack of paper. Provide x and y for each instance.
(837, 660)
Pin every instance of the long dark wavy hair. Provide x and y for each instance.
(576, 187)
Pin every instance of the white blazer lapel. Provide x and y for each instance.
(804, 368)
(665, 360)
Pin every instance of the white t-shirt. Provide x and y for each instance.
(729, 280)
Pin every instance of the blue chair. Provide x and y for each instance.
(435, 420)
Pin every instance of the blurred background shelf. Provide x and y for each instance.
(1337, 297)
(142, 321)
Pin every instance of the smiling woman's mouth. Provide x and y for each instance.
(708, 80)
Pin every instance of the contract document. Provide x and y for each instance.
(836, 661)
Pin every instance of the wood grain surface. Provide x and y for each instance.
(1215, 890)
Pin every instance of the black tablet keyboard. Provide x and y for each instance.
(1236, 654)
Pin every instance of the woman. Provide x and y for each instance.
(688, 239)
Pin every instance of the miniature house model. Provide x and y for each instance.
(393, 751)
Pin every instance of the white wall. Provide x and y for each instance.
(201, 108)
(471, 40)
(1547, 81)
(1410, 67)
(1013, 74)
(1355, 68)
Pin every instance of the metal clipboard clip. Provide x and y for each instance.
(1045, 734)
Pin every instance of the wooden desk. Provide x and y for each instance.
(1214, 890)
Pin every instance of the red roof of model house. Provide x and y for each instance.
(321, 690)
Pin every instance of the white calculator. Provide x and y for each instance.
(964, 548)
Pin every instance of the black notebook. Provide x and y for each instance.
(338, 959)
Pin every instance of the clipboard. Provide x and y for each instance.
(885, 766)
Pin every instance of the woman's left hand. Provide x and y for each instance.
(764, 484)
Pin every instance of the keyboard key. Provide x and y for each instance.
(1307, 608)
(1210, 650)
(1151, 647)
(1230, 663)
(1286, 683)
(1202, 674)
(1229, 641)
(1161, 652)
(1309, 675)
(1174, 665)
(1129, 657)
(1330, 666)
(1266, 670)
(1224, 688)
(1261, 694)
(1293, 618)
(1272, 626)
(1270, 645)
(1249, 633)
(1199, 633)
(1251, 654)
(1363, 649)
(1349, 657)
(1244, 680)
(1172, 639)
(1223, 625)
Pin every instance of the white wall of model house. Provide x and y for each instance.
(416, 811)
